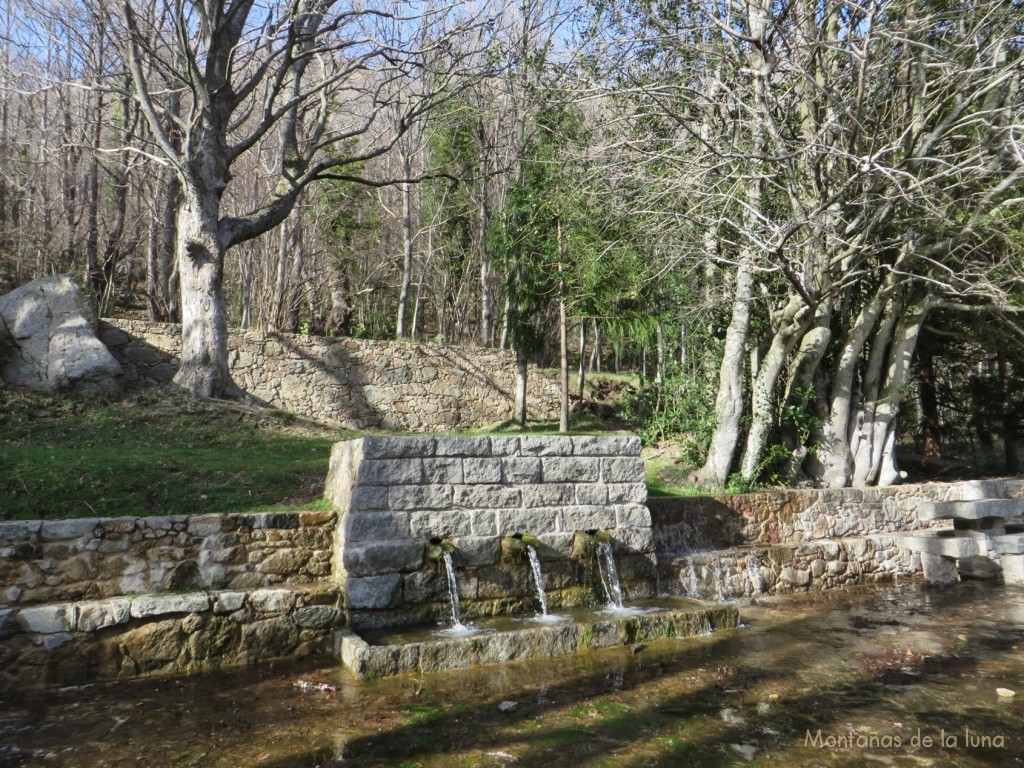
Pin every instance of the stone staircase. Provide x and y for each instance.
(986, 541)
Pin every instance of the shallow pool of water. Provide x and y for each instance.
(904, 676)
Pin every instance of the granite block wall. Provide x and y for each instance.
(399, 499)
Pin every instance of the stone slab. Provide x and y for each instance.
(397, 447)
(160, 605)
(438, 655)
(98, 614)
(943, 546)
(1010, 544)
(974, 509)
(1013, 570)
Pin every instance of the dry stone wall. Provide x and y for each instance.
(728, 547)
(400, 499)
(358, 383)
(94, 558)
(125, 637)
(789, 516)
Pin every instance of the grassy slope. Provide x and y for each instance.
(153, 454)
(161, 452)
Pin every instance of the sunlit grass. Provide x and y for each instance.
(154, 454)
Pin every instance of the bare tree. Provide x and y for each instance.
(851, 166)
(316, 73)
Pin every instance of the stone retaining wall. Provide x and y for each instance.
(66, 560)
(103, 598)
(398, 496)
(357, 383)
(118, 638)
(756, 570)
(683, 524)
(741, 546)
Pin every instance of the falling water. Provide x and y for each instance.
(754, 574)
(694, 585)
(453, 590)
(609, 575)
(537, 579)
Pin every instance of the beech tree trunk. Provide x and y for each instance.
(832, 463)
(791, 326)
(729, 401)
(874, 460)
(204, 327)
(519, 407)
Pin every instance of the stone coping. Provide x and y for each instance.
(372, 661)
(312, 606)
(971, 509)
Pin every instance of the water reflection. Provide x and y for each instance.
(858, 678)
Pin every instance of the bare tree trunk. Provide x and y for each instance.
(153, 294)
(563, 340)
(294, 294)
(486, 326)
(115, 249)
(407, 246)
(789, 328)
(519, 407)
(277, 305)
(729, 401)
(94, 275)
(659, 373)
(832, 463)
(246, 269)
(582, 373)
(204, 332)
(875, 461)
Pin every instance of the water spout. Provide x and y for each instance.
(609, 575)
(537, 578)
(453, 591)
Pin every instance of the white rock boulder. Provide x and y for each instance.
(48, 340)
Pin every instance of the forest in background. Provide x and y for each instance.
(799, 221)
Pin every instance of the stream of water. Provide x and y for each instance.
(609, 575)
(895, 676)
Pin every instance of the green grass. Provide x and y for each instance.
(154, 454)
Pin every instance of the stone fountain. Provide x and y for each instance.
(396, 495)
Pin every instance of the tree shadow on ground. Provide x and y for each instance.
(751, 691)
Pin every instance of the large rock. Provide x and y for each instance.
(48, 340)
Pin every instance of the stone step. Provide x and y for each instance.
(941, 544)
(1010, 544)
(977, 509)
(1013, 570)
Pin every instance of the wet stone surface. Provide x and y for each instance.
(904, 676)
